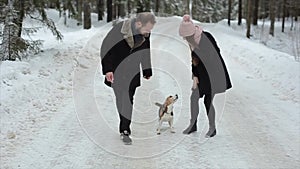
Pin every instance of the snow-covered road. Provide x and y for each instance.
(258, 128)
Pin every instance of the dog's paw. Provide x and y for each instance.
(172, 131)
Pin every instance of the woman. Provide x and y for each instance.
(210, 75)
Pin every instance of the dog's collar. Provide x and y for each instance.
(168, 113)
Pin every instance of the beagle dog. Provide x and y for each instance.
(165, 112)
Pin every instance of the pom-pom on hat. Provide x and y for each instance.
(187, 27)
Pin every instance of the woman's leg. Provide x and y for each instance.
(211, 113)
(194, 108)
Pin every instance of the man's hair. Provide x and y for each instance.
(145, 17)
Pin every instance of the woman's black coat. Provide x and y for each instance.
(211, 70)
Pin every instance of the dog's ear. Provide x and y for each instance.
(168, 102)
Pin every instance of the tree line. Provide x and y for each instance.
(13, 12)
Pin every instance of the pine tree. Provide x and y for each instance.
(140, 6)
(167, 8)
(209, 10)
(13, 45)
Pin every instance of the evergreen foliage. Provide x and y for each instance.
(14, 46)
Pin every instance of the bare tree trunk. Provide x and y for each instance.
(240, 13)
(191, 7)
(20, 17)
(229, 12)
(117, 4)
(249, 19)
(278, 6)
(109, 10)
(71, 10)
(129, 6)
(79, 8)
(294, 12)
(87, 24)
(188, 9)
(283, 15)
(157, 5)
(263, 9)
(57, 4)
(58, 7)
(65, 13)
(255, 12)
(121, 8)
(272, 17)
(100, 6)
(114, 9)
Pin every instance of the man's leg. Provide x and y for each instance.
(124, 101)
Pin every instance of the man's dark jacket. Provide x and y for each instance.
(124, 51)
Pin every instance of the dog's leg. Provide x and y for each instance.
(159, 126)
(171, 125)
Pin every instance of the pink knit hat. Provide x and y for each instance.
(187, 27)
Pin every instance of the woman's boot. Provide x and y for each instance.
(211, 133)
(191, 128)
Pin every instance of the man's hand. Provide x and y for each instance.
(147, 77)
(110, 77)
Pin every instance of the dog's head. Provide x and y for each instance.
(171, 100)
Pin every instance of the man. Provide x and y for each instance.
(124, 50)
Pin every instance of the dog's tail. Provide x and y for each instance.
(158, 104)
